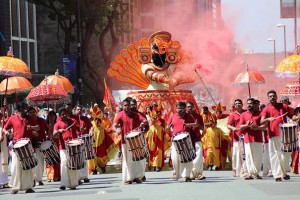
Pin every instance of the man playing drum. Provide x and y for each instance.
(199, 126)
(180, 123)
(275, 114)
(21, 125)
(66, 130)
(125, 122)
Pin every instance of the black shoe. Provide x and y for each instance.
(30, 191)
(188, 180)
(248, 177)
(14, 192)
(79, 182)
(62, 188)
(95, 172)
(258, 177)
(278, 179)
(41, 183)
(217, 168)
(286, 177)
(73, 188)
(103, 170)
(143, 179)
(128, 182)
(86, 180)
(157, 169)
(137, 180)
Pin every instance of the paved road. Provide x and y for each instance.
(160, 185)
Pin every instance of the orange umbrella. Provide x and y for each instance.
(57, 79)
(247, 78)
(10, 66)
(15, 84)
(291, 89)
(289, 67)
(47, 94)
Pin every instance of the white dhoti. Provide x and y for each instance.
(254, 152)
(198, 161)
(39, 169)
(4, 162)
(276, 160)
(237, 159)
(131, 169)
(69, 178)
(286, 156)
(83, 173)
(20, 179)
(266, 159)
(181, 169)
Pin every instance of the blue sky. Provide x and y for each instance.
(253, 21)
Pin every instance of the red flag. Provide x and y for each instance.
(108, 99)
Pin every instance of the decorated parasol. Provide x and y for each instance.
(289, 67)
(247, 78)
(15, 84)
(291, 89)
(47, 94)
(57, 79)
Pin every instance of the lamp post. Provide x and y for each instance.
(284, 36)
(274, 48)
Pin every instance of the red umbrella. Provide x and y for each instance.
(47, 94)
(247, 78)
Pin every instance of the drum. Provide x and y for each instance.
(289, 137)
(89, 151)
(75, 154)
(24, 151)
(184, 147)
(136, 143)
(50, 151)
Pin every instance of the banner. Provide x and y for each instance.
(108, 98)
(69, 67)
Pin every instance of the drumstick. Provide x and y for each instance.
(281, 116)
(70, 126)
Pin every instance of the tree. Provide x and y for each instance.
(101, 21)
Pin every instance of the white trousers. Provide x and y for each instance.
(198, 161)
(20, 179)
(39, 169)
(253, 152)
(69, 178)
(4, 162)
(237, 159)
(131, 169)
(276, 158)
(182, 170)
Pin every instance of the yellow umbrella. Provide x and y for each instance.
(289, 67)
(15, 84)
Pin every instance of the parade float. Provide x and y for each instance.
(150, 64)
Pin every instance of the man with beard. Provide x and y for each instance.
(273, 115)
(180, 123)
(251, 128)
(198, 126)
(233, 125)
(126, 121)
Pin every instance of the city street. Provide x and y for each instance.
(160, 185)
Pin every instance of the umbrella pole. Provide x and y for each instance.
(249, 90)
(4, 102)
(17, 101)
(206, 87)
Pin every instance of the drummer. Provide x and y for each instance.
(178, 123)
(39, 169)
(22, 126)
(126, 121)
(274, 114)
(65, 130)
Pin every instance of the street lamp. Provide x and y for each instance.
(284, 36)
(274, 48)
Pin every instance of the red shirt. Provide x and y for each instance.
(43, 128)
(69, 134)
(249, 134)
(276, 111)
(178, 124)
(196, 130)
(234, 120)
(18, 125)
(128, 123)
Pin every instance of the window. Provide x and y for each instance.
(23, 32)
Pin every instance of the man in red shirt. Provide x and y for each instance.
(125, 122)
(251, 128)
(179, 123)
(39, 169)
(233, 125)
(198, 130)
(22, 126)
(65, 130)
(275, 114)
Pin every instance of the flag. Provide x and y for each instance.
(108, 99)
